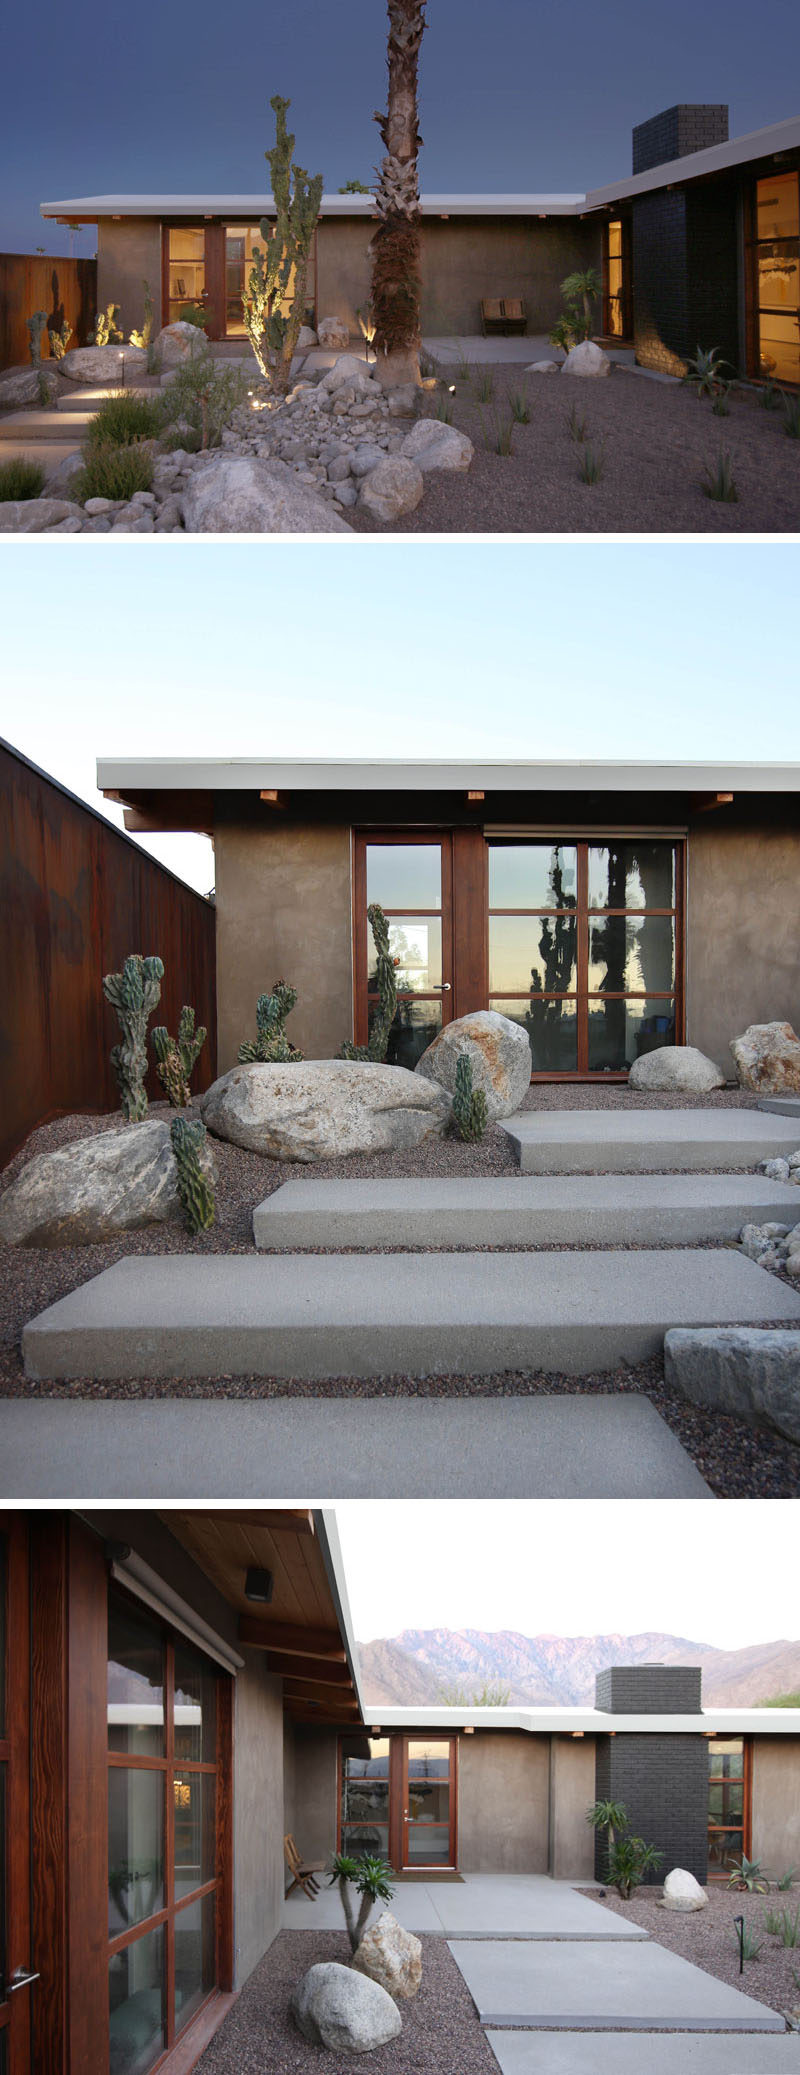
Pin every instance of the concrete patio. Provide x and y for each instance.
(526, 1906)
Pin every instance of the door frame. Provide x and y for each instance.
(15, 1755)
(404, 1865)
(398, 1740)
(393, 838)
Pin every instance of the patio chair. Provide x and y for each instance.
(303, 1875)
(508, 313)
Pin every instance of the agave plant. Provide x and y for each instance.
(746, 1875)
(705, 372)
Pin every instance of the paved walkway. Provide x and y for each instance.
(625, 2053)
(630, 1987)
(480, 1906)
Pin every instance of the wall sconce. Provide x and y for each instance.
(183, 1794)
(259, 1586)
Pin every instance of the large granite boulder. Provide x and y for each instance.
(349, 372)
(392, 489)
(432, 444)
(682, 1892)
(333, 333)
(103, 365)
(336, 2007)
(586, 359)
(240, 493)
(499, 1054)
(767, 1059)
(114, 1181)
(176, 343)
(679, 1068)
(34, 514)
(24, 385)
(391, 1956)
(751, 1371)
(323, 1109)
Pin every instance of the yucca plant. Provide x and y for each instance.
(705, 372)
(370, 1877)
(718, 482)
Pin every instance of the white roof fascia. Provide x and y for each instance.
(251, 774)
(331, 1552)
(589, 1721)
(717, 158)
(250, 208)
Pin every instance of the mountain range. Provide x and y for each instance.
(559, 1671)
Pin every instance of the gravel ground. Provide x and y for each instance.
(709, 1938)
(657, 440)
(737, 1461)
(441, 2031)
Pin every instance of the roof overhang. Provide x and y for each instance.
(250, 208)
(127, 776)
(721, 1722)
(777, 139)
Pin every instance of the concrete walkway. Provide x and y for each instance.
(638, 1141)
(633, 1987)
(625, 2053)
(480, 1906)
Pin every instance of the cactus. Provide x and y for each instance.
(35, 326)
(469, 1117)
(271, 1046)
(142, 338)
(176, 1059)
(106, 327)
(59, 339)
(284, 265)
(195, 1188)
(386, 975)
(134, 993)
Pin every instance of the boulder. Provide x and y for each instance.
(751, 1371)
(682, 1892)
(180, 342)
(114, 1181)
(333, 333)
(349, 372)
(391, 1956)
(34, 514)
(544, 367)
(679, 1067)
(306, 338)
(432, 444)
(586, 359)
(336, 2007)
(767, 1059)
(364, 458)
(59, 478)
(392, 489)
(323, 1109)
(21, 385)
(499, 1053)
(102, 365)
(240, 493)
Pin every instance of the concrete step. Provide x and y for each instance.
(647, 1141)
(460, 1314)
(643, 1988)
(782, 1106)
(546, 1210)
(30, 428)
(626, 2053)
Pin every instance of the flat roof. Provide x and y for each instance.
(589, 1721)
(716, 158)
(430, 774)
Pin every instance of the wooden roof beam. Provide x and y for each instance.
(704, 803)
(294, 1640)
(309, 1671)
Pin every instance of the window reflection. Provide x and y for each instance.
(629, 955)
(135, 1846)
(404, 875)
(532, 951)
(532, 875)
(620, 1031)
(632, 875)
(136, 1992)
(135, 1704)
(415, 1026)
(778, 275)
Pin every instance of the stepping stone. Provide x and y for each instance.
(32, 427)
(782, 1106)
(528, 1908)
(626, 1988)
(641, 1141)
(624, 2053)
(399, 1314)
(546, 1210)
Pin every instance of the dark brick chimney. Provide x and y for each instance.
(689, 126)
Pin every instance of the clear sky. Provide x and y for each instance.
(512, 96)
(342, 648)
(722, 1574)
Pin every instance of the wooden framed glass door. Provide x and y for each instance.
(427, 1834)
(397, 1799)
(410, 877)
(18, 1978)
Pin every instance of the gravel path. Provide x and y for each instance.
(441, 2031)
(709, 1938)
(657, 440)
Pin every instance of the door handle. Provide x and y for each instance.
(444, 989)
(21, 1979)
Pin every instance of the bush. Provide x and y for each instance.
(19, 480)
(124, 419)
(114, 472)
(195, 313)
(203, 395)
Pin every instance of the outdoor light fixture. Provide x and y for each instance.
(259, 1585)
(476, 796)
(451, 388)
(469, 1729)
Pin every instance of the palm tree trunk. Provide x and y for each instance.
(395, 247)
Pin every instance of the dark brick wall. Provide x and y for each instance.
(685, 274)
(712, 268)
(689, 126)
(663, 1783)
(649, 1689)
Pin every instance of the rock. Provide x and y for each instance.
(676, 1066)
(391, 489)
(767, 1059)
(239, 493)
(345, 493)
(306, 338)
(59, 480)
(34, 514)
(336, 2007)
(544, 367)
(403, 400)
(339, 470)
(365, 457)
(114, 1181)
(20, 386)
(348, 372)
(179, 342)
(331, 332)
(391, 1956)
(499, 1053)
(432, 444)
(586, 359)
(320, 1109)
(750, 1371)
(756, 1240)
(682, 1892)
(95, 505)
(103, 364)
(775, 1170)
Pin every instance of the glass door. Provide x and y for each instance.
(186, 269)
(17, 1976)
(728, 1803)
(428, 1822)
(777, 275)
(411, 881)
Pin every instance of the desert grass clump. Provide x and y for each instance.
(770, 396)
(113, 472)
(575, 422)
(718, 481)
(520, 407)
(484, 386)
(791, 416)
(592, 462)
(503, 436)
(749, 1945)
(124, 419)
(20, 480)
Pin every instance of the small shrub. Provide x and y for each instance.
(770, 396)
(575, 422)
(371, 1878)
(124, 419)
(520, 408)
(484, 387)
(718, 483)
(749, 1945)
(705, 372)
(19, 480)
(444, 410)
(591, 465)
(791, 416)
(194, 313)
(203, 395)
(113, 472)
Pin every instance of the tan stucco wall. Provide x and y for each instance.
(128, 254)
(284, 912)
(776, 1802)
(463, 261)
(743, 963)
(571, 1793)
(258, 1814)
(503, 1802)
(310, 1774)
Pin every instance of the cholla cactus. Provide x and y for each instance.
(35, 327)
(176, 1059)
(386, 975)
(271, 1046)
(195, 1187)
(469, 1115)
(106, 327)
(134, 993)
(59, 339)
(143, 337)
(284, 264)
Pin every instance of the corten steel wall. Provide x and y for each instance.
(62, 287)
(283, 908)
(503, 1802)
(571, 1792)
(776, 1802)
(76, 897)
(743, 961)
(128, 254)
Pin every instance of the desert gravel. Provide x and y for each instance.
(709, 1937)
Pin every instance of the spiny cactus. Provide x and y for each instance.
(271, 1046)
(35, 327)
(176, 1059)
(106, 327)
(288, 243)
(143, 337)
(195, 1189)
(469, 1114)
(134, 993)
(386, 974)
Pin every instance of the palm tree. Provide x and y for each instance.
(396, 279)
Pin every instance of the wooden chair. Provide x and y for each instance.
(507, 312)
(303, 1876)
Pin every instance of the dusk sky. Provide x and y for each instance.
(513, 96)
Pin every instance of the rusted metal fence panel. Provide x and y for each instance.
(32, 281)
(76, 896)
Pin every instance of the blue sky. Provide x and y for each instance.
(512, 96)
(337, 648)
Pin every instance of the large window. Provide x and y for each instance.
(163, 1861)
(187, 269)
(728, 1803)
(777, 276)
(241, 242)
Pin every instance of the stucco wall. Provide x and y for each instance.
(283, 912)
(310, 1807)
(503, 1802)
(571, 1793)
(128, 254)
(776, 1802)
(743, 961)
(258, 1814)
(463, 260)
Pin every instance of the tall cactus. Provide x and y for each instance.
(288, 243)
(469, 1113)
(271, 1046)
(177, 1058)
(195, 1188)
(386, 975)
(134, 993)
